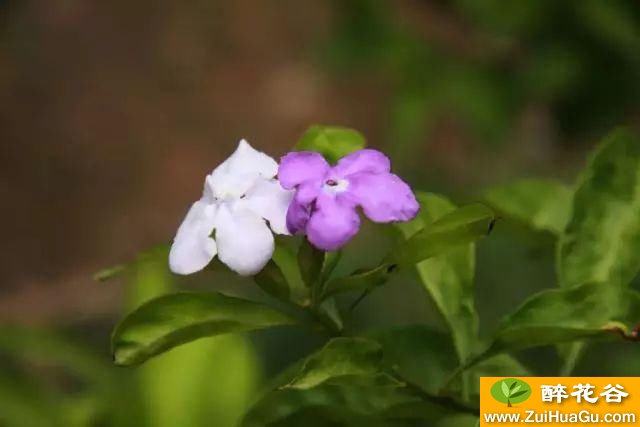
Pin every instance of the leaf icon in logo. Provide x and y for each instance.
(510, 391)
(505, 389)
(519, 394)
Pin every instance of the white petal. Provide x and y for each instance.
(270, 201)
(236, 175)
(193, 248)
(245, 243)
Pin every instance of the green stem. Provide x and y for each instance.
(325, 323)
(445, 401)
(470, 363)
(358, 300)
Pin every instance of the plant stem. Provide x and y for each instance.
(445, 401)
(358, 300)
(470, 363)
(327, 323)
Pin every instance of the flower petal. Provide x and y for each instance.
(384, 197)
(245, 243)
(333, 222)
(366, 160)
(301, 206)
(193, 248)
(297, 217)
(236, 175)
(301, 166)
(270, 201)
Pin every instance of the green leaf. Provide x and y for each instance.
(310, 262)
(513, 385)
(359, 281)
(340, 404)
(365, 396)
(458, 228)
(339, 358)
(541, 205)
(417, 353)
(555, 316)
(603, 236)
(505, 389)
(448, 277)
(286, 259)
(602, 239)
(175, 319)
(331, 261)
(515, 390)
(331, 141)
(500, 365)
(355, 389)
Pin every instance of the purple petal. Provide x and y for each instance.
(384, 197)
(297, 217)
(366, 160)
(301, 206)
(301, 166)
(333, 222)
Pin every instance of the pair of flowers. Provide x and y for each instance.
(249, 196)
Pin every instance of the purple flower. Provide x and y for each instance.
(326, 198)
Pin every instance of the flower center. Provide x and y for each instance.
(335, 185)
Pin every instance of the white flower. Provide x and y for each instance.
(240, 201)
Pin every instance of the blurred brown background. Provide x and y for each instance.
(113, 111)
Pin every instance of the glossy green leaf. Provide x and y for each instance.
(359, 281)
(541, 205)
(341, 357)
(602, 239)
(448, 277)
(331, 141)
(458, 228)
(556, 316)
(175, 319)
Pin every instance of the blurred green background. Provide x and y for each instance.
(114, 111)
